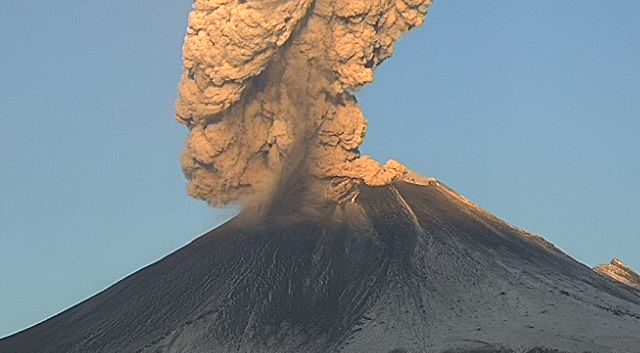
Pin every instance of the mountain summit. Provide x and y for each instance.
(403, 268)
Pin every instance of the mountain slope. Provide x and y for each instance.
(402, 268)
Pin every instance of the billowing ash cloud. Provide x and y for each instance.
(266, 94)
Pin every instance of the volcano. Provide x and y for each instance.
(403, 268)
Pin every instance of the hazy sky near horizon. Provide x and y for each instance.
(530, 109)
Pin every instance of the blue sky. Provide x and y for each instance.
(530, 109)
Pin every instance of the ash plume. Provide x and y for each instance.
(267, 95)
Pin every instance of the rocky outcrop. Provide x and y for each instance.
(617, 271)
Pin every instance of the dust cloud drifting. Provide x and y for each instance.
(267, 95)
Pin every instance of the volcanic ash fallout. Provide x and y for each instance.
(267, 96)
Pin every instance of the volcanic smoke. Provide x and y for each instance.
(267, 94)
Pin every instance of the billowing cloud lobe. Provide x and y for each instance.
(267, 95)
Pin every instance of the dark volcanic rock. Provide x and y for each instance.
(404, 268)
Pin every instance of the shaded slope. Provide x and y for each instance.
(403, 268)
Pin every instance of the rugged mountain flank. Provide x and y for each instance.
(401, 268)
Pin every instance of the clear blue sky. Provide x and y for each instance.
(531, 109)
